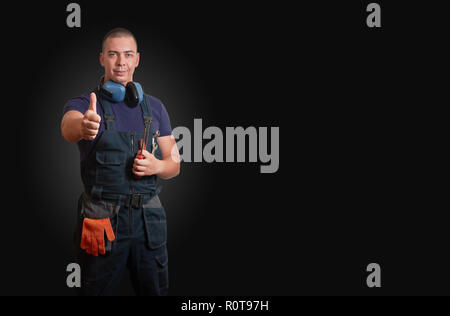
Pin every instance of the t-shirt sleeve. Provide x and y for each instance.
(165, 128)
(80, 104)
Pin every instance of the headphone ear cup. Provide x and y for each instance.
(133, 95)
(113, 91)
(140, 92)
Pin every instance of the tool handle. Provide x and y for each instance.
(140, 156)
(141, 144)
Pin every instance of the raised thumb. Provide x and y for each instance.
(93, 102)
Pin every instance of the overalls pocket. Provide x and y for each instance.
(110, 167)
(155, 223)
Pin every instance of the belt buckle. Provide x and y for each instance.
(136, 200)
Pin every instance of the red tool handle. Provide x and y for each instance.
(140, 156)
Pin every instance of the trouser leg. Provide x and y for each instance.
(101, 275)
(148, 267)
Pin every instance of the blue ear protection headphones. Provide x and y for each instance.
(115, 92)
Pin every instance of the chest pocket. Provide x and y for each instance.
(110, 167)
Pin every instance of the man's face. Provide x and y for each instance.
(119, 58)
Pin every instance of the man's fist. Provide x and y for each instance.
(148, 166)
(91, 120)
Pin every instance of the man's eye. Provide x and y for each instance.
(112, 54)
(129, 55)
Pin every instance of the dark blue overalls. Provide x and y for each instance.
(135, 211)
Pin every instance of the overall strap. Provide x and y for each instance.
(146, 111)
(110, 123)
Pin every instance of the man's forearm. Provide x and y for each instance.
(169, 169)
(71, 126)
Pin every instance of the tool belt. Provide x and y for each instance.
(108, 208)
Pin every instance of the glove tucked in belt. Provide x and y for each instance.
(93, 235)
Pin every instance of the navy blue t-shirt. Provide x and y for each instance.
(127, 119)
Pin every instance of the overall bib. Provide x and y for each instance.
(133, 207)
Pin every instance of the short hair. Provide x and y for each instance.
(118, 32)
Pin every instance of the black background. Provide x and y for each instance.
(358, 176)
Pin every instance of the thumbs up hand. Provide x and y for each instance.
(91, 120)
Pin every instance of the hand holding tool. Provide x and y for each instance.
(143, 145)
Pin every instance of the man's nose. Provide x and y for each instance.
(120, 60)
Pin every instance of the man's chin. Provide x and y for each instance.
(120, 79)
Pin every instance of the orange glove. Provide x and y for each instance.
(93, 235)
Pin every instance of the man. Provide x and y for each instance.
(125, 142)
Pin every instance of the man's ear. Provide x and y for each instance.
(101, 60)
(137, 59)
